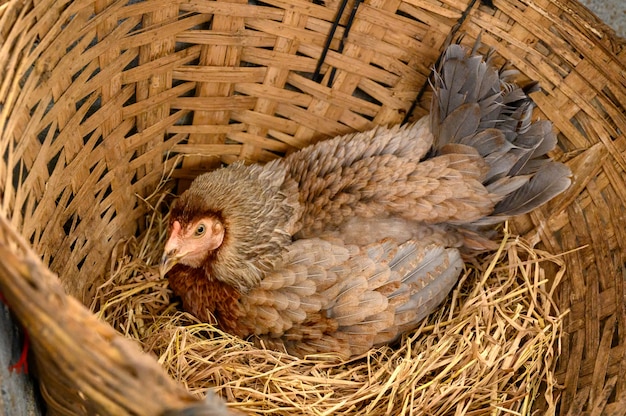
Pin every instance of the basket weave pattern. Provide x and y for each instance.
(100, 98)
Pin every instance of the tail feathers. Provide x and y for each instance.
(550, 180)
(476, 105)
(461, 122)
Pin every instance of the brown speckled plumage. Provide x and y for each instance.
(350, 242)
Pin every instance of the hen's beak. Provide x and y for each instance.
(171, 254)
(168, 261)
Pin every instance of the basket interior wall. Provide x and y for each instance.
(101, 100)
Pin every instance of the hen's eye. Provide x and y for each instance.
(201, 229)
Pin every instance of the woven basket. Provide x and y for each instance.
(99, 98)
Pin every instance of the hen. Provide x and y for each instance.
(348, 243)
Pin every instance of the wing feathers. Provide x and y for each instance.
(369, 296)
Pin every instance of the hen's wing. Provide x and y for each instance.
(333, 298)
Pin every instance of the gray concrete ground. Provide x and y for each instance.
(611, 12)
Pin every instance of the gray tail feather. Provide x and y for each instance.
(478, 106)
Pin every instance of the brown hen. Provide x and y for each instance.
(348, 243)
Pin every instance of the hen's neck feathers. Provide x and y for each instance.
(258, 216)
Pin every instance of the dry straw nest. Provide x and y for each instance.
(101, 101)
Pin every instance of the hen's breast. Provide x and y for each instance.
(205, 298)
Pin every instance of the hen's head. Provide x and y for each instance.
(192, 242)
(233, 223)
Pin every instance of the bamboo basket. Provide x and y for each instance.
(100, 98)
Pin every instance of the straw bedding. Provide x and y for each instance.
(489, 348)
